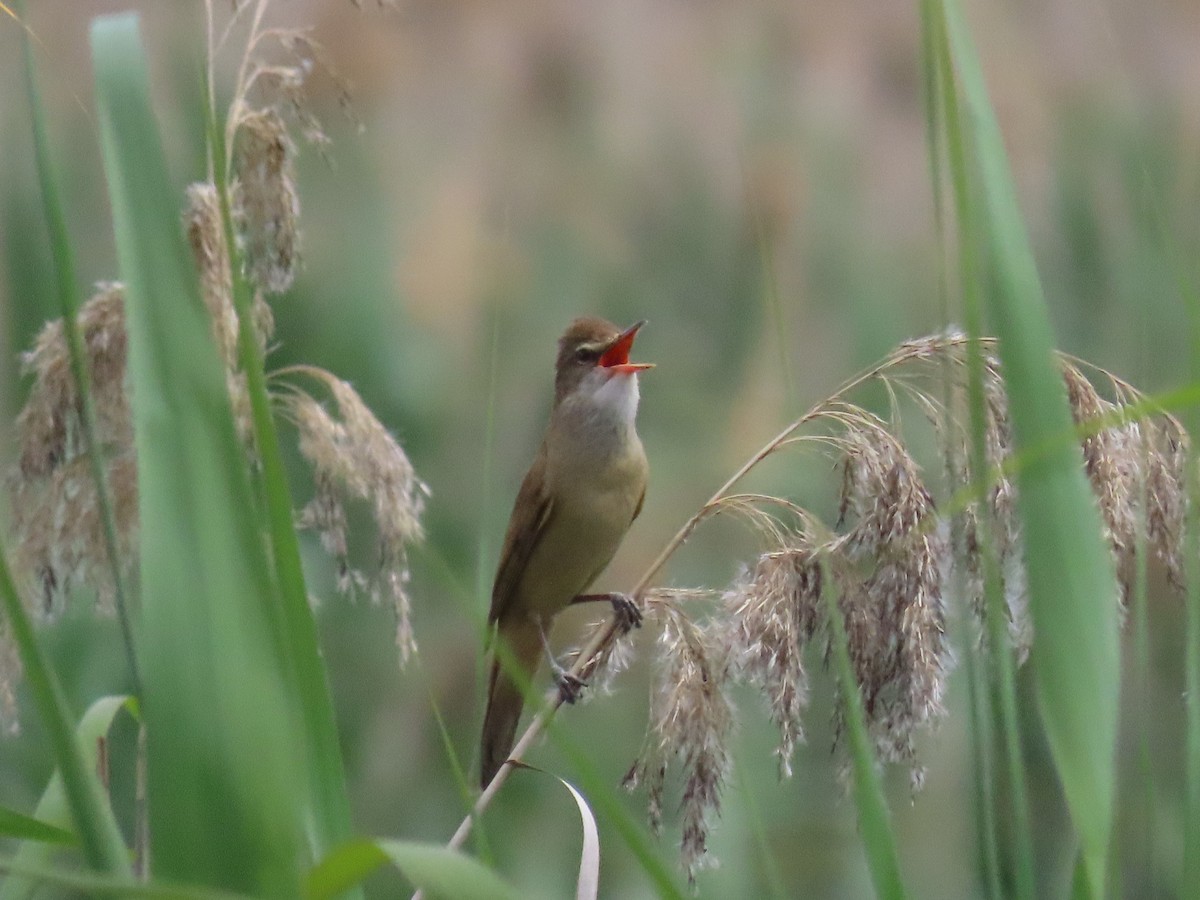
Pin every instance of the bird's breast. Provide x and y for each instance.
(593, 507)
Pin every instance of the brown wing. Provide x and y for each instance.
(531, 513)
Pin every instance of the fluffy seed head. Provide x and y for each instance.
(889, 558)
(206, 237)
(60, 529)
(691, 722)
(354, 456)
(49, 425)
(267, 205)
(56, 513)
(1113, 457)
(1166, 492)
(772, 611)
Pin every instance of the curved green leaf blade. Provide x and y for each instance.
(874, 819)
(1072, 584)
(225, 760)
(587, 885)
(14, 824)
(52, 807)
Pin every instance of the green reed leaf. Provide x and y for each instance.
(225, 757)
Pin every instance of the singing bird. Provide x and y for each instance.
(580, 496)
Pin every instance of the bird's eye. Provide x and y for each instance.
(587, 354)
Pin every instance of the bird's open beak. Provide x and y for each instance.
(616, 357)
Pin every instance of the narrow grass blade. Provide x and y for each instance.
(91, 885)
(945, 142)
(225, 760)
(17, 825)
(68, 301)
(874, 823)
(103, 846)
(290, 616)
(999, 670)
(434, 869)
(1190, 883)
(1072, 584)
(759, 829)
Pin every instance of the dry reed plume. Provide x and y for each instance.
(57, 515)
(893, 562)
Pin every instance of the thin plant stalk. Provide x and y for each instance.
(295, 628)
(1143, 685)
(762, 839)
(1076, 654)
(999, 660)
(64, 276)
(1191, 831)
(874, 821)
(982, 745)
(485, 487)
(940, 109)
(141, 809)
(771, 300)
(1003, 674)
(1191, 828)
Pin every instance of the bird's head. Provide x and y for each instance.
(593, 358)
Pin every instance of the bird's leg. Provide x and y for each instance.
(569, 686)
(625, 608)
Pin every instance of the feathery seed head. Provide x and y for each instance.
(1113, 456)
(1166, 493)
(49, 425)
(267, 205)
(354, 456)
(60, 529)
(56, 514)
(206, 236)
(772, 611)
(691, 722)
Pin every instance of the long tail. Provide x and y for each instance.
(505, 697)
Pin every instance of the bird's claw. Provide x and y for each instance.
(627, 612)
(569, 686)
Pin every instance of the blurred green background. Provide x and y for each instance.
(752, 178)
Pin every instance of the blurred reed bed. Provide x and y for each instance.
(149, 455)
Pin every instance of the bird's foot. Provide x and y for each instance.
(627, 612)
(570, 687)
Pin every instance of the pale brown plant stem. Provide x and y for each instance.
(239, 93)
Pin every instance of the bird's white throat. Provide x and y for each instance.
(597, 418)
(612, 396)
